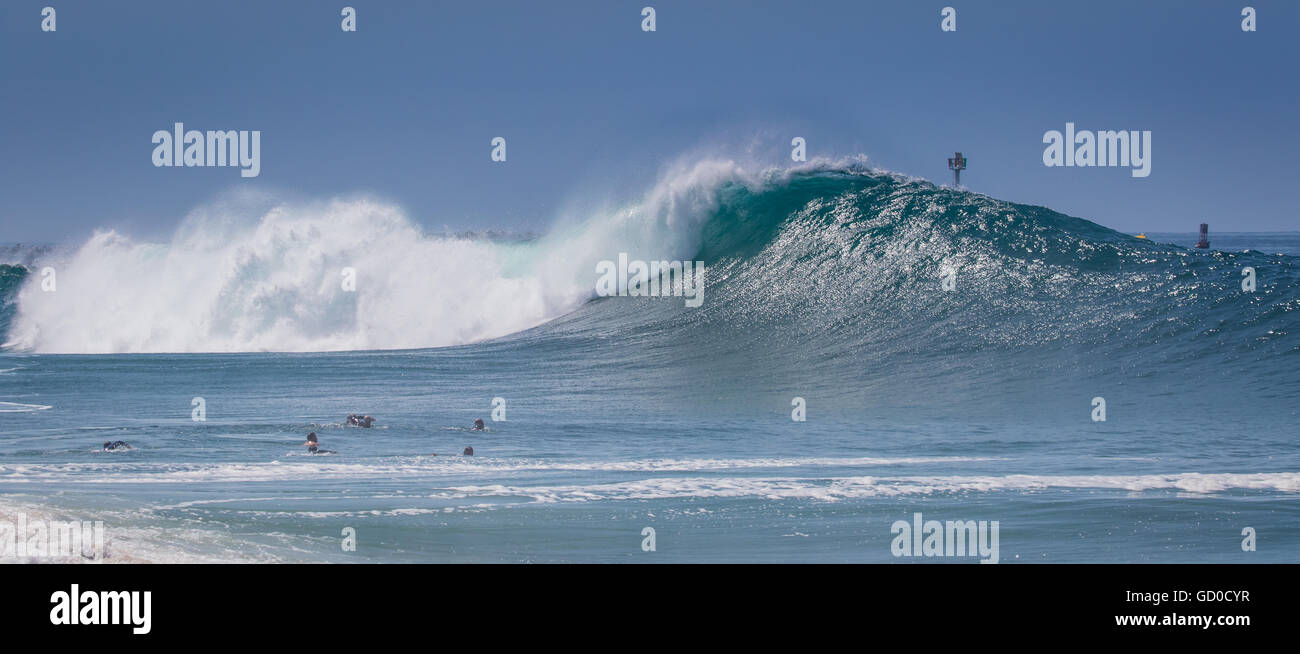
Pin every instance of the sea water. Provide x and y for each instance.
(642, 430)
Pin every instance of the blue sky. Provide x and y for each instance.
(405, 107)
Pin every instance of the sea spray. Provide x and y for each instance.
(348, 274)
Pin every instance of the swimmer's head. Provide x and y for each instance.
(311, 437)
(478, 423)
(469, 451)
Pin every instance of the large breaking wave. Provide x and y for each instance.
(238, 277)
(833, 258)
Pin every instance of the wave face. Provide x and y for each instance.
(807, 266)
(827, 280)
(12, 277)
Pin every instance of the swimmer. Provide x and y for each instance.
(109, 446)
(359, 420)
(478, 425)
(469, 451)
(313, 446)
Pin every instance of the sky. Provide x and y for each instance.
(405, 107)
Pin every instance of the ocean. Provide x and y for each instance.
(946, 351)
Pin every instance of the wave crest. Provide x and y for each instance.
(831, 253)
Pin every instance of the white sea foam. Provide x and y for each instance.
(128, 541)
(17, 407)
(443, 475)
(408, 467)
(238, 276)
(835, 489)
(276, 284)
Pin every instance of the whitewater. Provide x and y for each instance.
(622, 413)
(243, 277)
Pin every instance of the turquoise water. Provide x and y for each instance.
(624, 413)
